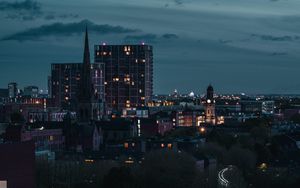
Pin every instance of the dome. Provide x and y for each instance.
(192, 94)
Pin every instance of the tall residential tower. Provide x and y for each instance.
(128, 74)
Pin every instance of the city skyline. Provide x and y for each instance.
(250, 47)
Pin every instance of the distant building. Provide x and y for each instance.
(45, 138)
(154, 126)
(117, 130)
(251, 106)
(189, 117)
(210, 114)
(31, 91)
(128, 75)
(12, 90)
(3, 95)
(64, 83)
(268, 107)
(135, 113)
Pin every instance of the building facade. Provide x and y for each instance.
(64, 84)
(128, 75)
(210, 114)
(12, 90)
(31, 91)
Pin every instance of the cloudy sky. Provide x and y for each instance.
(250, 46)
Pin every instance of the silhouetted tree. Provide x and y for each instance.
(119, 177)
(166, 168)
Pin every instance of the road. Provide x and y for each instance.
(221, 177)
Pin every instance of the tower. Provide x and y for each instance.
(88, 102)
(210, 116)
(128, 75)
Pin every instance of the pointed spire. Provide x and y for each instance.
(86, 55)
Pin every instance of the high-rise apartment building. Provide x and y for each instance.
(128, 74)
(64, 84)
(12, 90)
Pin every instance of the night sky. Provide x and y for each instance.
(250, 46)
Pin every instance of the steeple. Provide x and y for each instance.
(85, 77)
(84, 109)
(86, 54)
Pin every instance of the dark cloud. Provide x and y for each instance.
(23, 10)
(222, 41)
(53, 16)
(170, 36)
(276, 38)
(148, 38)
(30, 10)
(178, 2)
(279, 53)
(23, 5)
(66, 29)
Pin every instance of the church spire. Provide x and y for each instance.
(85, 86)
(85, 78)
(86, 55)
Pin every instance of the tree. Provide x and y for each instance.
(119, 177)
(244, 159)
(166, 168)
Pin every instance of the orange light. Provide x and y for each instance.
(202, 129)
(126, 145)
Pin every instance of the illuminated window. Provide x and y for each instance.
(3, 184)
(51, 138)
(169, 146)
(126, 145)
(162, 145)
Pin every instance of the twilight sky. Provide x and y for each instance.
(250, 46)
